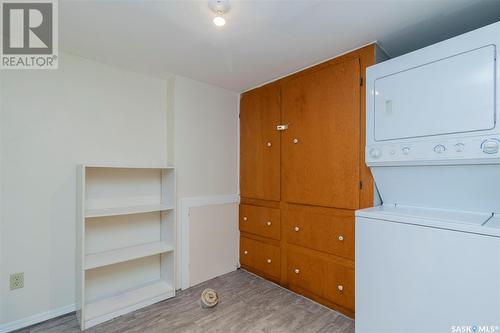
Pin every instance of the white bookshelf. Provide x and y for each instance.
(125, 239)
(113, 211)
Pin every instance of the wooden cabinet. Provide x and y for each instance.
(322, 277)
(340, 288)
(301, 184)
(261, 221)
(323, 229)
(260, 256)
(260, 165)
(320, 149)
(307, 272)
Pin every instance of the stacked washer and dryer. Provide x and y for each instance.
(428, 258)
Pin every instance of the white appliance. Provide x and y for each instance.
(428, 259)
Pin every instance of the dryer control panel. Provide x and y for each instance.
(482, 149)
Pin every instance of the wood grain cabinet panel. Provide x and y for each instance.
(340, 286)
(321, 277)
(320, 149)
(306, 272)
(323, 229)
(261, 221)
(260, 256)
(260, 154)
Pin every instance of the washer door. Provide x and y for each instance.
(451, 95)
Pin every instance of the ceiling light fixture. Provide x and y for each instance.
(219, 7)
(219, 20)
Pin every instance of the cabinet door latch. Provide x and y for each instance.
(281, 127)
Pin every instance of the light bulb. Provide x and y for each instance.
(219, 20)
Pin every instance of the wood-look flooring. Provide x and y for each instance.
(247, 303)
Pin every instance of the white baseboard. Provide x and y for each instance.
(35, 319)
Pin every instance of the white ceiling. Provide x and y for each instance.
(262, 40)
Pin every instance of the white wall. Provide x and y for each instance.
(206, 139)
(87, 112)
(206, 158)
(50, 121)
(1, 204)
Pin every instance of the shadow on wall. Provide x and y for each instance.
(463, 19)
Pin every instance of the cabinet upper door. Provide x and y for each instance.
(321, 146)
(260, 143)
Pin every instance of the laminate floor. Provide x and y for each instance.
(247, 303)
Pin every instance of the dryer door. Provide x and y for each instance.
(451, 95)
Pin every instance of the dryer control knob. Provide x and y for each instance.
(490, 146)
(459, 147)
(439, 149)
(375, 152)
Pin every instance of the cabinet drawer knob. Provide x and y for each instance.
(295, 141)
(296, 270)
(296, 229)
(341, 238)
(269, 144)
(268, 223)
(340, 287)
(245, 252)
(269, 261)
(245, 218)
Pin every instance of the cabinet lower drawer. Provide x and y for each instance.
(261, 221)
(323, 229)
(322, 277)
(260, 256)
